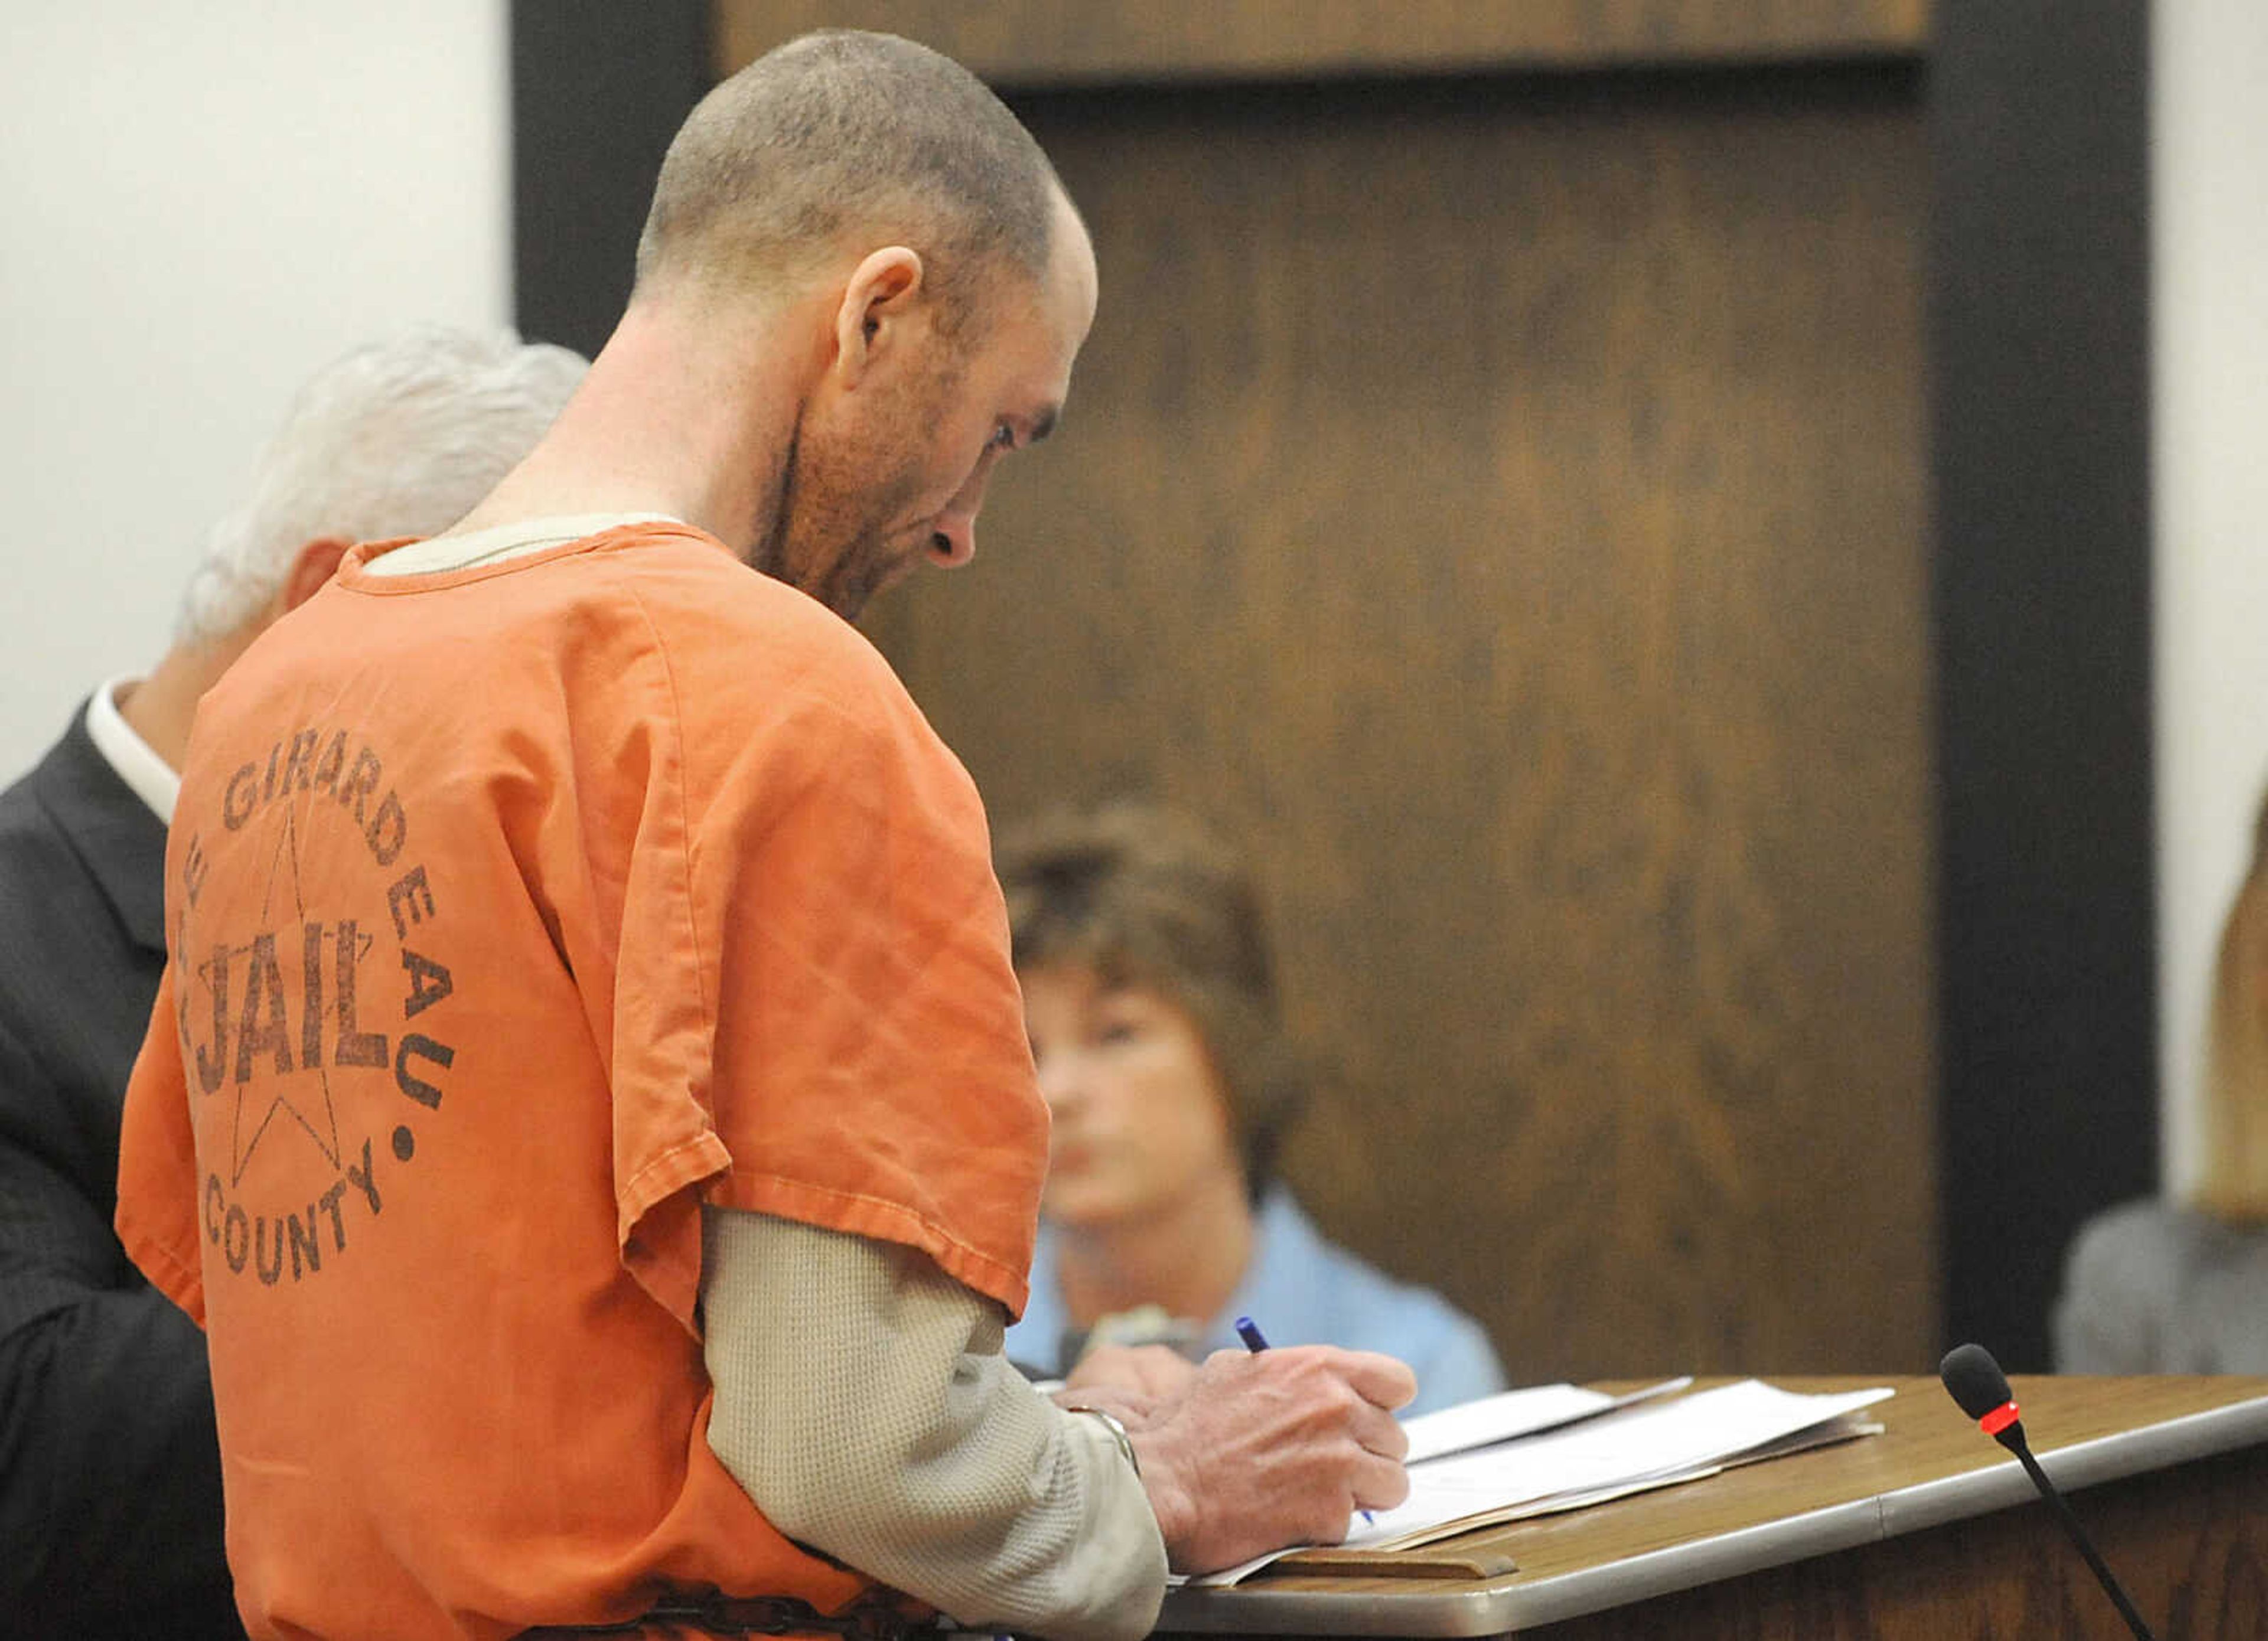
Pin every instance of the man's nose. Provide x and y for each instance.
(953, 536)
(953, 541)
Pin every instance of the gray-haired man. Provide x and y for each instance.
(110, 1495)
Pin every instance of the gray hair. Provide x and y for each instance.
(402, 437)
(840, 131)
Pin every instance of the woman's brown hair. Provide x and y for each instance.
(1144, 896)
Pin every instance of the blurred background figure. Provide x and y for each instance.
(2182, 1287)
(1150, 994)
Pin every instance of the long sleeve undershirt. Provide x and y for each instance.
(865, 1404)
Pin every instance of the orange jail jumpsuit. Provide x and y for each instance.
(513, 913)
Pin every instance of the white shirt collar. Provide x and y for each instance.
(151, 779)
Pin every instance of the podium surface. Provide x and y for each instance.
(1928, 1530)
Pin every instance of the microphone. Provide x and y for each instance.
(1974, 1380)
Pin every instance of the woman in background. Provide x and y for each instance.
(1150, 996)
(2158, 1288)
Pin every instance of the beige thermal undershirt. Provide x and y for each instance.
(887, 1429)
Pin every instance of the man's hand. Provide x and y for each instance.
(1268, 1449)
(1156, 1370)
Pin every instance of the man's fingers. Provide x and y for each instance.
(1379, 1379)
(1376, 1379)
(1381, 1432)
(1380, 1483)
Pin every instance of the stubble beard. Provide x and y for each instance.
(826, 536)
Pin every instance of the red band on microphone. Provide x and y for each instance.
(1999, 1419)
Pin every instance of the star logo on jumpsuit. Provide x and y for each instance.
(320, 1125)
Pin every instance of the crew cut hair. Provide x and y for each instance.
(1142, 896)
(840, 132)
(2233, 1183)
(401, 437)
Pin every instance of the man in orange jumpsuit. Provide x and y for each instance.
(588, 1102)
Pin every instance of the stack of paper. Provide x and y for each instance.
(1533, 1451)
(1511, 1413)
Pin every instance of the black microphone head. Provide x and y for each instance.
(1974, 1379)
(1977, 1384)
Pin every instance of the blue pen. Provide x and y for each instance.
(1256, 1342)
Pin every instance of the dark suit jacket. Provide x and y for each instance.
(110, 1501)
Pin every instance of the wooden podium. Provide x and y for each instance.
(1929, 1532)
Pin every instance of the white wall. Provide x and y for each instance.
(2209, 175)
(203, 205)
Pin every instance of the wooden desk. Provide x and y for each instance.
(1929, 1531)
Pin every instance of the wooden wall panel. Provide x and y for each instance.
(1501, 504)
(1048, 42)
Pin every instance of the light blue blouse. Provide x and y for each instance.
(1302, 1289)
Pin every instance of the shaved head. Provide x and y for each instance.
(838, 141)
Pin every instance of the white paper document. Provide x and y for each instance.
(1511, 1413)
(1622, 1449)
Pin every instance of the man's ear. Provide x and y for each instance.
(881, 296)
(312, 565)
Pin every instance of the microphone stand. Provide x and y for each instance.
(2024, 1452)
